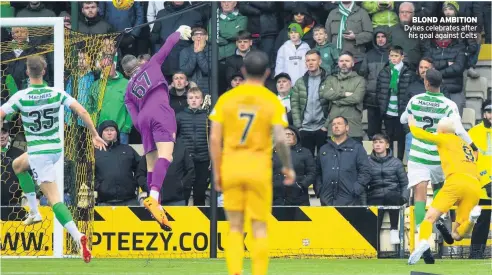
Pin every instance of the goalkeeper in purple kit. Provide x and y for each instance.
(147, 101)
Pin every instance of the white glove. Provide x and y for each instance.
(185, 32)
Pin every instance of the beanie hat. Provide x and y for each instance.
(294, 27)
(451, 4)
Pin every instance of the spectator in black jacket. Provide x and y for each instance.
(415, 88)
(373, 63)
(233, 63)
(343, 170)
(192, 125)
(195, 60)
(177, 91)
(11, 192)
(262, 23)
(389, 182)
(450, 60)
(116, 182)
(164, 28)
(305, 168)
(91, 22)
(179, 178)
(391, 89)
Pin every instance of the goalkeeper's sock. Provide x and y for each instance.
(425, 230)
(234, 252)
(158, 176)
(27, 185)
(419, 212)
(63, 215)
(259, 256)
(149, 180)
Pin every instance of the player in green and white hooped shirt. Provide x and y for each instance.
(424, 164)
(39, 107)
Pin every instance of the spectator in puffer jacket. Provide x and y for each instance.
(177, 91)
(179, 178)
(329, 53)
(353, 35)
(116, 169)
(305, 168)
(342, 169)
(91, 22)
(231, 22)
(310, 102)
(382, 13)
(291, 56)
(122, 19)
(262, 23)
(388, 185)
(302, 16)
(372, 64)
(450, 60)
(195, 60)
(193, 126)
(164, 28)
(392, 94)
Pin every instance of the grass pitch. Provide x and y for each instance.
(217, 267)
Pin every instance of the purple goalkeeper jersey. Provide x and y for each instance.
(147, 89)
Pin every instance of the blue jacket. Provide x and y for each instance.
(83, 91)
(122, 19)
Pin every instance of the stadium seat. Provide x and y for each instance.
(139, 148)
(485, 52)
(476, 93)
(367, 146)
(468, 119)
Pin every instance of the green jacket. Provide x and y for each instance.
(349, 107)
(6, 10)
(229, 27)
(329, 56)
(299, 98)
(380, 17)
(113, 104)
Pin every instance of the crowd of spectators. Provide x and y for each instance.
(330, 61)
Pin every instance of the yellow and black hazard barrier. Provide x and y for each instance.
(127, 232)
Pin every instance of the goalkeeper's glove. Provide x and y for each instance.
(185, 32)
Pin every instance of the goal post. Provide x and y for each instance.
(58, 46)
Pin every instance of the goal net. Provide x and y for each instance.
(79, 64)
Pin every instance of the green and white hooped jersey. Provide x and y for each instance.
(427, 109)
(39, 106)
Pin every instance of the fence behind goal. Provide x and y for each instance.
(79, 64)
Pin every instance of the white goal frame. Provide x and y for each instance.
(59, 57)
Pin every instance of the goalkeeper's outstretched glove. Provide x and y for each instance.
(185, 32)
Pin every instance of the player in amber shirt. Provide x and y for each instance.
(462, 184)
(243, 120)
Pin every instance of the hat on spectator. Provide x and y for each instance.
(486, 106)
(294, 27)
(451, 4)
(282, 75)
(236, 74)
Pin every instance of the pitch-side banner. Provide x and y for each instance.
(129, 232)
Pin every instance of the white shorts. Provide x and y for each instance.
(43, 167)
(418, 173)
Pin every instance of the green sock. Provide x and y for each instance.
(62, 213)
(419, 212)
(435, 192)
(26, 182)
